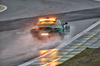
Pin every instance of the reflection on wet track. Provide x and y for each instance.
(50, 58)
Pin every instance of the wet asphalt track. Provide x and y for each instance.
(30, 8)
(17, 47)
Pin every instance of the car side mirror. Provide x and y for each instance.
(66, 23)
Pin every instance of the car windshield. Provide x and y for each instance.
(45, 25)
(44, 28)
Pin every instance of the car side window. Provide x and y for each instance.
(58, 22)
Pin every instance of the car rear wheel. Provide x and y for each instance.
(61, 35)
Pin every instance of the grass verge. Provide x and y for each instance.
(88, 57)
(1, 7)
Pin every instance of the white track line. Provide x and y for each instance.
(97, 0)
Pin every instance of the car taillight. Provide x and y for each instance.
(37, 28)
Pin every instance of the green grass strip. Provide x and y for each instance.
(1, 7)
(88, 57)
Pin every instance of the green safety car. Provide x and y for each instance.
(48, 27)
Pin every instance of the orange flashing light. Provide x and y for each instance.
(50, 19)
(47, 22)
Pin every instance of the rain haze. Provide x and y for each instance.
(17, 45)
